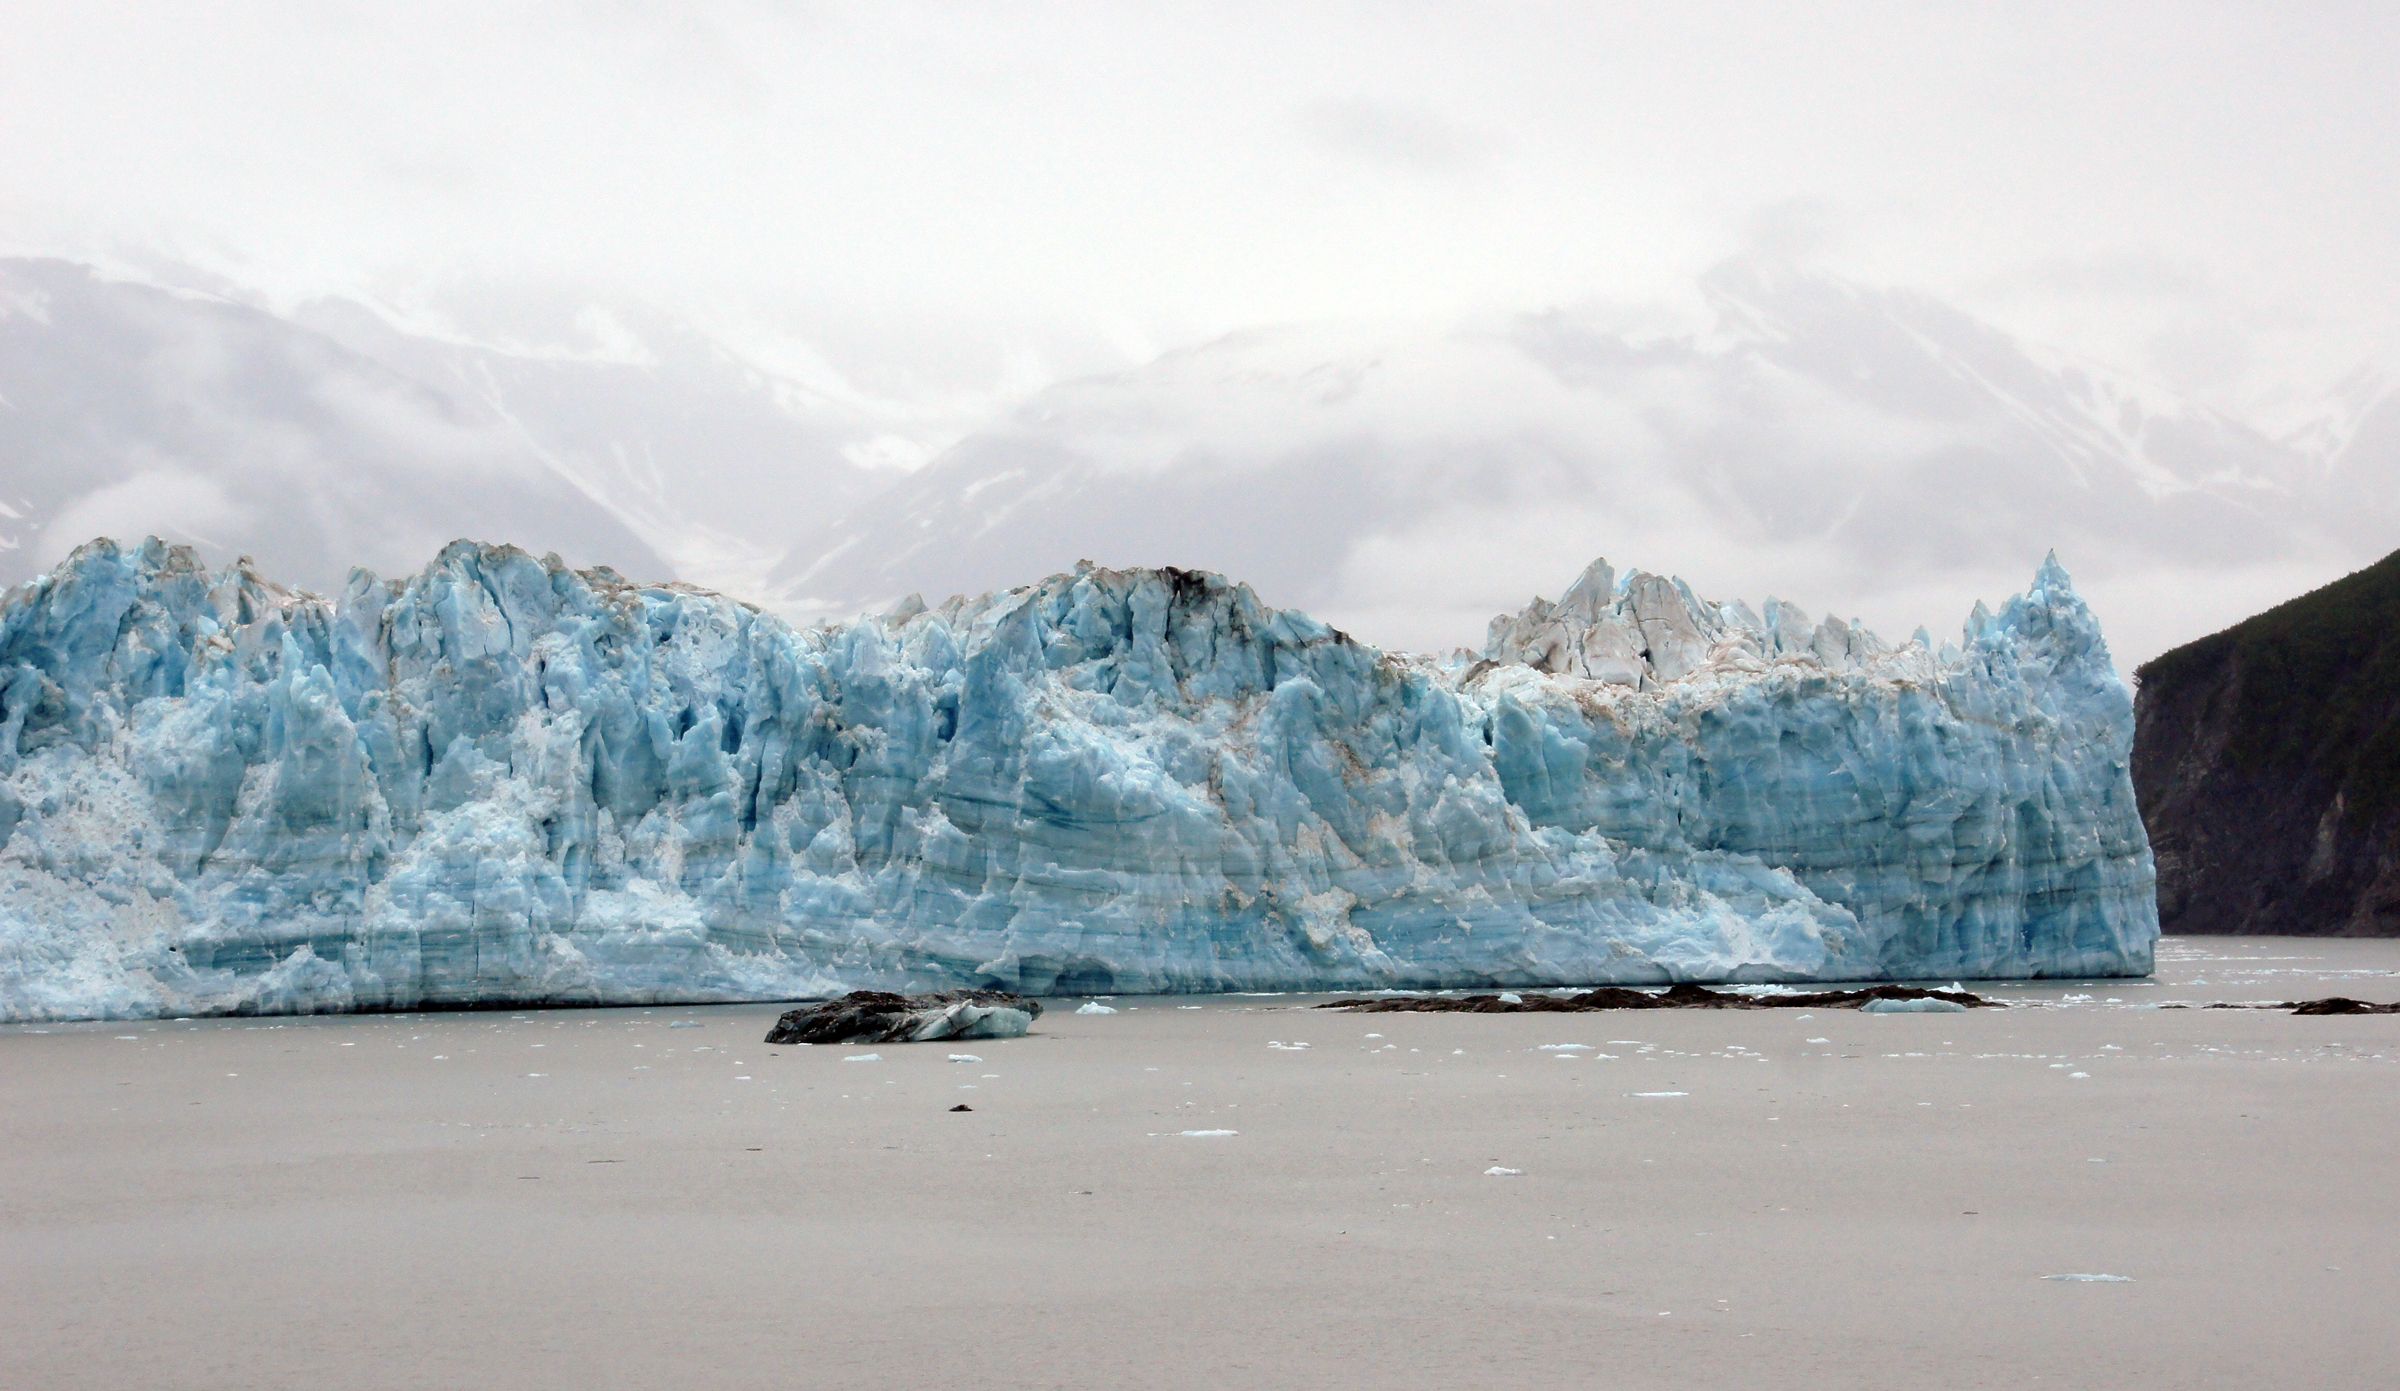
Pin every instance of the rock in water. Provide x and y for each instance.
(503, 781)
(2268, 762)
(2343, 1004)
(2330, 1004)
(879, 1016)
(1873, 999)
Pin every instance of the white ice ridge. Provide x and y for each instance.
(502, 780)
(1647, 630)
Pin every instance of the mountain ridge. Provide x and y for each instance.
(1837, 426)
(1875, 448)
(2267, 757)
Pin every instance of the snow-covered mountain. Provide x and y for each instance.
(2360, 486)
(128, 409)
(331, 437)
(1872, 451)
(1863, 442)
(714, 461)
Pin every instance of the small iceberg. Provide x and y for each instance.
(1924, 1005)
(879, 1016)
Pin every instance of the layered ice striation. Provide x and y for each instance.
(503, 781)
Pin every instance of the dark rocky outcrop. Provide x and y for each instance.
(2331, 1004)
(2267, 761)
(2342, 1004)
(879, 1016)
(1684, 996)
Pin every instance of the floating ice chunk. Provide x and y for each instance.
(1496, 1171)
(1511, 997)
(1820, 1040)
(2088, 1279)
(1093, 1007)
(1657, 1095)
(1923, 1006)
(685, 1024)
(1206, 1134)
(964, 1058)
(1566, 1048)
(869, 1016)
(863, 1058)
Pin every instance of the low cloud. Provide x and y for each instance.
(1402, 139)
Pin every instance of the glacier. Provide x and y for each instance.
(503, 781)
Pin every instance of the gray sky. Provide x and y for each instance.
(946, 194)
(929, 213)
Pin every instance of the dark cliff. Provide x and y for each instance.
(2267, 760)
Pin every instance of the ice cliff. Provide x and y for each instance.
(505, 781)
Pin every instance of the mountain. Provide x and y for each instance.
(711, 459)
(1798, 427)
(2267, 759)
(2361, 484)
(128, 409)
(1872, 451)
(332, 435)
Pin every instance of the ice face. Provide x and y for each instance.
(504, 781)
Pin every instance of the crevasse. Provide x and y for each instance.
(504, 781)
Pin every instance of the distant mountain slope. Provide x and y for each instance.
(334, 435)
(2361, 485)
(128, 410)
(2267, 760)
(713, 461)
(1806, 429)
(1873, 451)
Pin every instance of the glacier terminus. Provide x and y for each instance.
(504, 781)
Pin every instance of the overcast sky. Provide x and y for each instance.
(2206, 192)
(939, 209)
